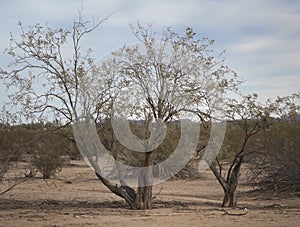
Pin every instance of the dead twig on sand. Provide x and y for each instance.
(12, 186)
(157, 193)
(235, 214)
(274, 205)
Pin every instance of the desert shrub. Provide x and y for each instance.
(4, 163)
(47, 157)
(277, 165)
(6, 151)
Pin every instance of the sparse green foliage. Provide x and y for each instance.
(47, 157)
(36, 140)
(10, 152)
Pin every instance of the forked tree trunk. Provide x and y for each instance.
(230, 184)
(229, 199)
(145, 180)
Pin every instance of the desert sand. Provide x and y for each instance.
(75, 197)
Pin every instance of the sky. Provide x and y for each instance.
(261, 37)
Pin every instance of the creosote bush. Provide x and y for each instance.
(7, 151)
(47, 158)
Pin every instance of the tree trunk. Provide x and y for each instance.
(229, 199)
(124, 192)
(144, 191)
(144, 197)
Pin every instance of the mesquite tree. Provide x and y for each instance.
(250, 117)
(169, 77)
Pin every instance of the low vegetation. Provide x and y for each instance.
(272, 154)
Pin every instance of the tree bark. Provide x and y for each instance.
(123, 192)
(229, 199)
(230, 184)
(145, 180)
(144, 197)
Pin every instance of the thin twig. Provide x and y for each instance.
(158, 193)
(12, 186)
(234, 214)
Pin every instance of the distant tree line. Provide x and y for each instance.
(273, 154)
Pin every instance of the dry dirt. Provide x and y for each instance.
(76, 198)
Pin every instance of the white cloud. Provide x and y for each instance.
(272, 87)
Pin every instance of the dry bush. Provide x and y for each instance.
(277, 165)
(6, 152)
(47, 157)
(4, 163)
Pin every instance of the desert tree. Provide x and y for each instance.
(169, 77)
(250, 118)
(49, 74)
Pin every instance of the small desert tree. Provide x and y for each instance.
(250, 117)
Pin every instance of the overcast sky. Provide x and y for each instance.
(261, 37)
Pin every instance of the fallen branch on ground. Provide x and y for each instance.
(12, 186)
(235, 214)
(157, 193)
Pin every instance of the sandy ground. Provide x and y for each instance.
(76, 198)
